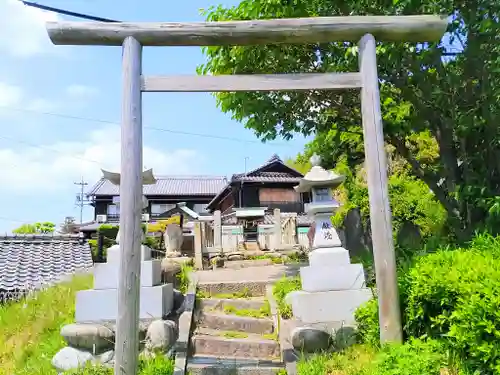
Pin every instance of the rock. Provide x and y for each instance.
(232, 257)
(178, 302)
(169, 271)
(217, 261)
(174, 238)
(310, 340)
(105, 357)
(344, 337)
(69, 358)
(95, 338)
(161, 336)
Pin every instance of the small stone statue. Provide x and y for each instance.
(173, 240)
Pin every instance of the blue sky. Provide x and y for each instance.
(60, 109)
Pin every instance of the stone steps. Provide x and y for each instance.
(237, 264)
(211, 365)
(255, 303)
(247, 288)
(216, 344)
(227, 339)
(226, 322)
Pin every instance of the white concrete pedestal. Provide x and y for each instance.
(100, 303)
(332, 287)
(97, 305)
(335, 306)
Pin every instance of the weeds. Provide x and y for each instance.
(29, 336)
(280, 291)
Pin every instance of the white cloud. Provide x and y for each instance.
(81, 91)
(15, 97)
(10, 95)
(22, 29)
(54, 167)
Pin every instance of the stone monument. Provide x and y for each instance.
(173, 238)
(332, 287)
(101, 303)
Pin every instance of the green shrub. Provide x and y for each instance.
(413, 358)
(159, 365)
(367, 323)
(183, 277)
(280, 291)
(454, 297)
(108, 230)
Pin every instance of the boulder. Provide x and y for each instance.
(95, 338)
(105, 357)
(235, 257)
(344, 337)
(310, 340)
(69, 358)
(161, 336)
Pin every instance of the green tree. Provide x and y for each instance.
(445, 93)
(36, 228)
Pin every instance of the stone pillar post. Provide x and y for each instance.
(198, 251)
(217, 231)
(276, 230)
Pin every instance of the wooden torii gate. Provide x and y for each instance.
(132, 36)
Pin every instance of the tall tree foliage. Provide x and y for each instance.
(36, 228)
(440, 101)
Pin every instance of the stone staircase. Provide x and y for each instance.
(249, 246)
(233, 333)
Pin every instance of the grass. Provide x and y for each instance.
(29, 328)
(245, 293)
(280, 290)
(152, 366)
(356, 360)
(274, 259)
(271, 336)
(30, 333)
(234, 335)
(184, 276)
(263, 312)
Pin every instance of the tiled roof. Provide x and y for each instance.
(302, 220)
(260, 174)
(29, 262)
(169, 185)
(266, 177)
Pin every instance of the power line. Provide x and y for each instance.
(203, 135)
(67, 12)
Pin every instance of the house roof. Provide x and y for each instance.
(32, 261)
(264, 174)
(168, 185)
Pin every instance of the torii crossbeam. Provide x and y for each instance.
(132, 36)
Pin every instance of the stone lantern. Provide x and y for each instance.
(101, 303)
(332, 287)
(115, 178)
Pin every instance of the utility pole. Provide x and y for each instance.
(81, 201)
(246, 159)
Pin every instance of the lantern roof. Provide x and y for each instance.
(318, 177)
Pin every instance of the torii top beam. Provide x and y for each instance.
(423, 28)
